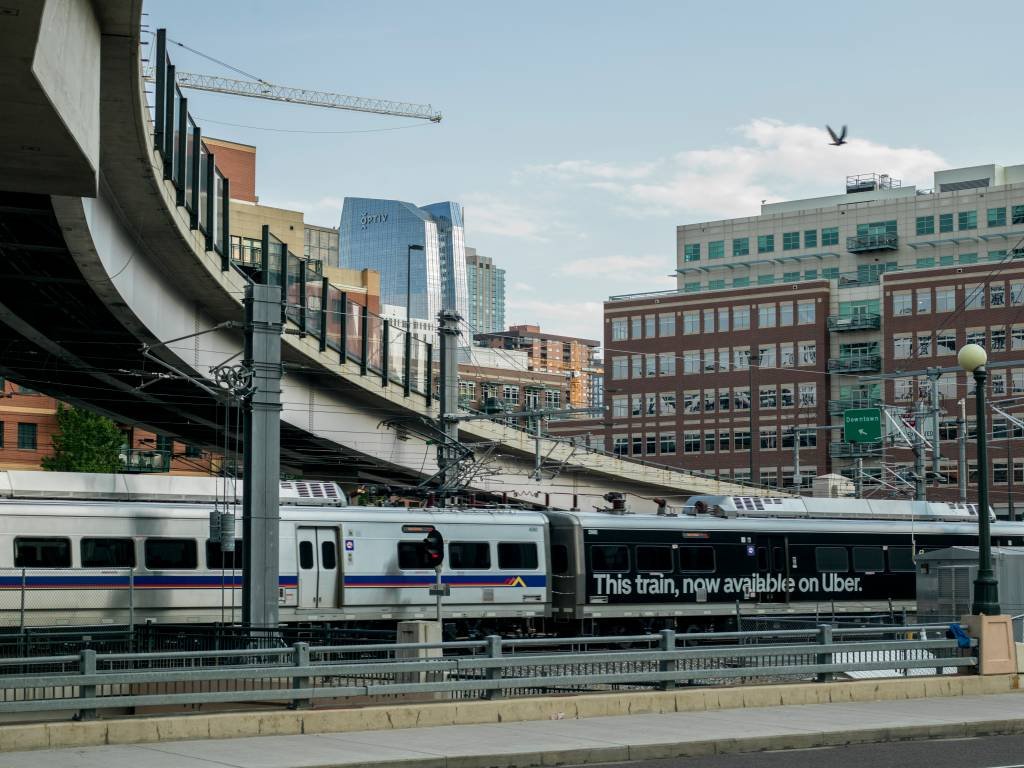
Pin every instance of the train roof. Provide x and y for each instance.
(23, 484)
(835, 509)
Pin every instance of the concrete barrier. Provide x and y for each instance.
(224, 725)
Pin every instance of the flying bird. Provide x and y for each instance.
(837, 141)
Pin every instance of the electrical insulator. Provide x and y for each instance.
(227, 531)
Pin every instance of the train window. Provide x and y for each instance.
(328, 556)
(306, 555)
(697, 559)
(656, 559)
(108, 553)
(832, 559)
(171, 554)
(412, 555)
(217, 559)
(559, 558)
(470, 555)
(520, 554)
(868, 559)
(762, 559)
(42, 553)
(609, 557)
(901, 559)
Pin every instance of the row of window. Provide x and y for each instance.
(720, 319)
(723, 359)
(533, 396)
(620, 558)
(159, 554)
(28, 436)
(976, 296)
(1000, 383)
(471, 555)
(765, 244)
(721, 400)
(923, 225)
(710, 441)
(995, 339)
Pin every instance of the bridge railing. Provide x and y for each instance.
(488, 668)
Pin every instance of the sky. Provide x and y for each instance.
(579, 135)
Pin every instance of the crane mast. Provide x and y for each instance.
(260, 89)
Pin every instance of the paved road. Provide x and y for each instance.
(986, 752)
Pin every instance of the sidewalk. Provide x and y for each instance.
(560, 742)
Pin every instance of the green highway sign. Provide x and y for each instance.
(862, 425)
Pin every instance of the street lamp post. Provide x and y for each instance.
(407, 362)
(972, 359)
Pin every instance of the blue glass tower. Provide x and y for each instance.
(376, 234)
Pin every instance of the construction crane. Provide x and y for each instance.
(260, 89)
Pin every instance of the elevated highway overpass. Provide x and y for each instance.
(99, 255)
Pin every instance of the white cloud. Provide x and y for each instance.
(774, 161)
(325, 212)
(562, 317)
(619, 270)
(493, 216)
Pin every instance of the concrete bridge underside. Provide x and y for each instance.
(96, 259)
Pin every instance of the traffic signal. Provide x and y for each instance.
(433, 546)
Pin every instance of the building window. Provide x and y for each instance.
(924, 301)
(724, 441)
(945, 299)
(786, 396)
(691, 442)
(785, 314)
(27, 434)
(709, 442)
(691, 252)
(768, 397)
(790, 241)
(786, 357)
(997, 295)
(666, 364)
(668, 442)
(924, 262)
(723, 319)
(620, 329)
(620, 367)
(740, 246)
(925, 225)
(924, 345)
(1017, 214)
(945, 343)
(740, 282)
(691, 361)
(741, 317)
(620, 407)
(709, 321)
(652, 445)
(808, 353)
(637, 366)
(967, 220)
(667, 403)
(830, 236)
(741, 442)
(692, 287)
(1016, 293)
(974, 296)
(667, 324)
(691, 322)
(766, 356)
(620, 445)
(810, 238)
(805, 312)
(830, 273)
(636, 327)
(716, 249)
(901, 346)
(996, 217)
(765, 243)
(765, 316)
(649, 326)
(945, 222)
(902, 302)
(997, 340)
(808, 395)
(968, 258)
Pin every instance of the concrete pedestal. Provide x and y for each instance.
(997, 652)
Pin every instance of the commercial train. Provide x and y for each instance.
(94, 549)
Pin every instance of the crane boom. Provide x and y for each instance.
(263, 90)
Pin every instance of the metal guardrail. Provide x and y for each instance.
(490, 668)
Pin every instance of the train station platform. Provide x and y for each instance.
(943, 713)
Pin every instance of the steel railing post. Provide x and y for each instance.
(364, 348)
(300, 659)
(24, 587)
(494, 651)
(303, 264)
(325, 291)
(131, 604)
(429, 375)
(667, 644)
(343, 317)
(385, 351)
(824, 638)
(87, 693)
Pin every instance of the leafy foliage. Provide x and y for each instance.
(84, 442)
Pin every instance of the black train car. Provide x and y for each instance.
(622, 573)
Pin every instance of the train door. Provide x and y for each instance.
(318, 567)
(773, 568)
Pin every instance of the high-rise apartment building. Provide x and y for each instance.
(486, 288)
(378, 234)
(569, 356)
(783, 321)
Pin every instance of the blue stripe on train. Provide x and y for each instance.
(411, 580)
(122, 582)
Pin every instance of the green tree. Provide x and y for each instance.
(84, 442)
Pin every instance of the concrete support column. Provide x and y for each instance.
(262, 436)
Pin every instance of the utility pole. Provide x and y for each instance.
(961, 437)
(447, 449)
(919, 471)
(261, 424)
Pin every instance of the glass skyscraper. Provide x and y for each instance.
(376, 234)
(486, 284)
